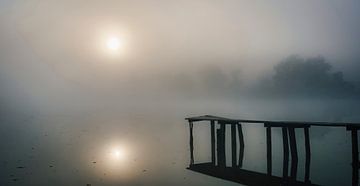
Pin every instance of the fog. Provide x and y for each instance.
(65, 100)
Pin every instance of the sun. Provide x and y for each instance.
(118, 153)
(114, 43)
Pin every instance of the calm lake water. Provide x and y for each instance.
(148, 145)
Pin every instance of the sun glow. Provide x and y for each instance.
(114, 43)
(118, 153)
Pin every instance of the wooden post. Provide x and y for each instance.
(285, 152)
(212, 128)
(221, 146)
(241, 144)
(269, 150)
(223, 153)
(218, 146)
(294, 155)
(355, 156)
(191, 143)
(233, 145)
(307, 155)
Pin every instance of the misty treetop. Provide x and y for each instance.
(298, 76)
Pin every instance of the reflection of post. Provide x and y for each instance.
(241, 144)
(294, 156)
(233, 145)
(212, 132)
(307, 155)
(285, 152)
(355, 156)
(269, 150)
(191, 144)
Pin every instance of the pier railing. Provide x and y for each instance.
(217, 167)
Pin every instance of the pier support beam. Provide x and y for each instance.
(307, 155)
(268, 151)
(233, 145)
(355, 153)
(285, 152)
(294, 154)
(241, 144)
(355, 156)
(212, 132)
(221, 145)
(191, 143)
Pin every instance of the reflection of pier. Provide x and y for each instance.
(217, 167)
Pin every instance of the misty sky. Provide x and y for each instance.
(61, 92)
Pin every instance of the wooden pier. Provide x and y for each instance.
(217, 167)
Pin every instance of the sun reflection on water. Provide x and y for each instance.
(115, 161)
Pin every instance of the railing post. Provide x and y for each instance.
(355, 156)
(241, 144)
(233, 144)
(269, 150)
(191, 143)
(221, 145)
(294, 155)
(285, 152)
(307, 154)
(212, 128)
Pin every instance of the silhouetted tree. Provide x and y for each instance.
(310, 77)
